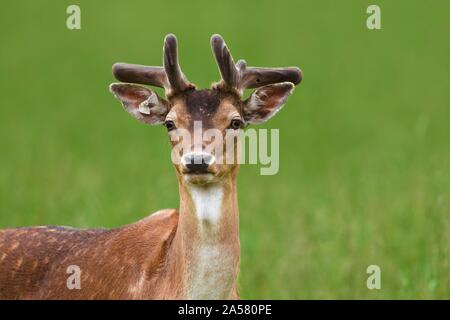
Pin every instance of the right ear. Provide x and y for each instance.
(142, 103)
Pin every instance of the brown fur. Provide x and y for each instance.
(33, 261)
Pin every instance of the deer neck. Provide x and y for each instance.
(207, 238)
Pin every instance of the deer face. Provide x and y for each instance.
(203, 125)
(202, 122)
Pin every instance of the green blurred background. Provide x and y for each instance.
(365, 139)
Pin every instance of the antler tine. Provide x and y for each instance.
(253, 77)
(175, 76)
(228, 71)
(168, 77)
(135, 73)
(240, 77)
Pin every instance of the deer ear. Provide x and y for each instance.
(266, 101)
(142, 103)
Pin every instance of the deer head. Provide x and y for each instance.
(194, 112)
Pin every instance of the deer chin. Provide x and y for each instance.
(200, 178)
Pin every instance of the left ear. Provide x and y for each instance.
(266, 101)
(140, 102)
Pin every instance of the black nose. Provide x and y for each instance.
(198, 163)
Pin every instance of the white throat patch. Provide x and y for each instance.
(213, 271)
(208, 202)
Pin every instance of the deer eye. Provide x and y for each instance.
(169, 124)
(236, 124)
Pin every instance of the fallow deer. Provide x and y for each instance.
(188, 253)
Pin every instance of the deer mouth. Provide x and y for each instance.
(199, 178)
(200, 175)
(196, 169)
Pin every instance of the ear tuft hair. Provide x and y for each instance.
(266, 101)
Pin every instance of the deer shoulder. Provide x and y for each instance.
(34, 261)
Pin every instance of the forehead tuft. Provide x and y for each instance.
(207, 105)
(202, 103)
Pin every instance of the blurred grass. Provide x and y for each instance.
(365, 140)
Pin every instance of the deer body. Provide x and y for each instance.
(189, 253)
(35, 260)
